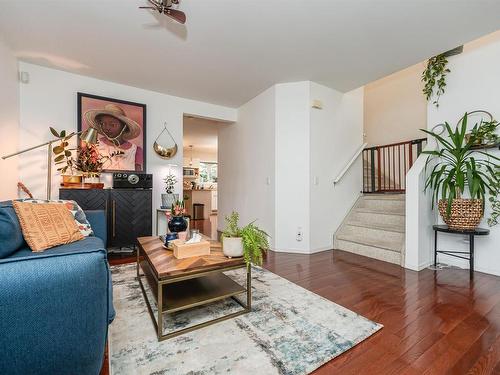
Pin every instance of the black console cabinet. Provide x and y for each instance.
(128, 211)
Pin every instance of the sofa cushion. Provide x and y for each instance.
(46, 225)
(86, 245)
(77, 212)
(11, 236)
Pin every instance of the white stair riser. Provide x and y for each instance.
(395, 221)
(375, 228)
(393, 197)
(368, 251)
(373, 237)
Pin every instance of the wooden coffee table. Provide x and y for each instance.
(180, 284)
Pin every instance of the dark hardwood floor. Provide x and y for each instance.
(434, 322)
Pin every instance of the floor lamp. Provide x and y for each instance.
(89, 136)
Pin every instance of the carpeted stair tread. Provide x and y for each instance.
(375, 228)
(394, 197)
(372, 237)
(398, 228)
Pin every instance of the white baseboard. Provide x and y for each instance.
(301, 251)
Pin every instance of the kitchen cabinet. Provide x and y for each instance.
(203, 196)
(214, 200)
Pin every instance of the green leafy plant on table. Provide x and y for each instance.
(485, 133)
(457, 171)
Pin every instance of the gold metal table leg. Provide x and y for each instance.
(158, 322)
(249, 287)
(160, 311)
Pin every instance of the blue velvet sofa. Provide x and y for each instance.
(55, 306)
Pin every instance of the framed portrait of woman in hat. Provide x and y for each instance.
(121, 126)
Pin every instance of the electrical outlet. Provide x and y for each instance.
(299, 234)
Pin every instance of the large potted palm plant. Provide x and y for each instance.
(458, 179)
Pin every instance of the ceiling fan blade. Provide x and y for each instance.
(176, 15)
(148, 8)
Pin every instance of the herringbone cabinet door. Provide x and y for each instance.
(88, 199)
(131, 216)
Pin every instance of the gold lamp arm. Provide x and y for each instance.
(89, 135)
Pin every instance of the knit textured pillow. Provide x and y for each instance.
(45, 225)
(77, 212)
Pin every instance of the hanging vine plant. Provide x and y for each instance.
(434, 75)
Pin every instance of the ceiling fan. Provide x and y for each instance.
(165, 7)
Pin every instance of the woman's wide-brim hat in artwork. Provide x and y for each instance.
(133, 129)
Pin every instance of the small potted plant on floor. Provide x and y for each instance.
(250, 241)
(457, 172)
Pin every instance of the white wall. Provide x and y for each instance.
(50, 100)
(419, 217)
(472, 84)
(292, 166)
(279, 139)
(336, 133)
(394, 107)
(9, 121)
(246, 164)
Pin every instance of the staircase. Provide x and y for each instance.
(375, 228)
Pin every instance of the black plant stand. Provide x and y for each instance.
(470, 233)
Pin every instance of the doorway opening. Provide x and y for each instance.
(200, 173)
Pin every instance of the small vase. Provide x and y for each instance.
(92, 178)
(232, 246)
(177, 224)
(167, 200)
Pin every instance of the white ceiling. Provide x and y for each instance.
(231, 50)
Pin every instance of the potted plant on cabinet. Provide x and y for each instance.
(91, 163)
(250, 241)
(456, 172)
(168, 199)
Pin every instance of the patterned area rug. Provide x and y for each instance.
(289, 331)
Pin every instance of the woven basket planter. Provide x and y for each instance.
(465, 214)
